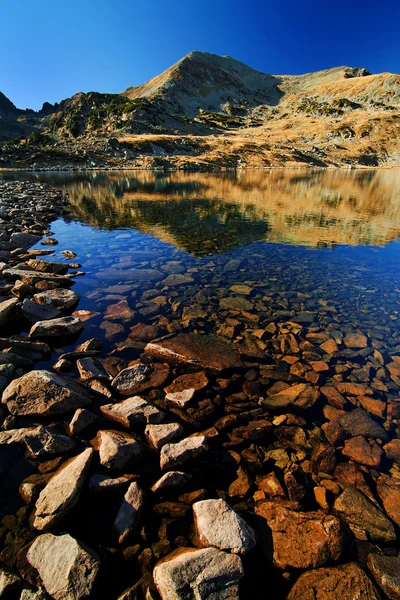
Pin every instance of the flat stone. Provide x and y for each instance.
(44, 393)
(160, 434)
(182, 390)
(33, 277)
(62, 492)
(39, 440)
(386, 572)
(300, 395)
(357, 511)
(356, 340)
(60, 298)
(388, 489)
(172, 479)
(128, 380)
(34, 312)
(117, 449)
(236, 303)
(90, 368)
(392, 450)
(129, 512)
(199, 574)
(82, 418)
(7, 310)
(177, 279)
(132, 411)
(363, 451)
(48, 266)
(63, 326)
(130, 274)
(24, 240)
(218, 525)
(175, 455)
(244, 290)
(120, 311)
(301, 540)
(67, 568)
(345, 582)
(209, 352)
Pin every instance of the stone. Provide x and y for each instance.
(117, 449)
(135, 410)
(24, 240)
(181, 391)
(392, 450)
(300, 395)
(39, 440)
(67, 568)
(386, 572)
(33, 312)
(218, 525)
(103, 483)
(388, 489)
(62, 492)
(34, 277)
(64, 326)
(357, 511)
(199, 574)
(356, 340)
(330, 346)
(10, 584)
(129, 274)
(60, 298)
(127, 380)
(160, 434)
(90, 368)
(120, 311)
(129, 512)
(177, 279)
(44, 393)
(345, 582)
(175, 455)
(236, 303)
(363, 451)
(7, 310)
(47, 266)
(82, 418)
(300, 540)
(171, 479)
(209, 352)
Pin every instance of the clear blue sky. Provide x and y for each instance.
(51, 49)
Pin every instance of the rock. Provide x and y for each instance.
(62, 492)
(159, 435)
(132, 411)
(386, 572)
(33, 312)
(218, 525)
(34, 277)
(356, 510)
(7, 310)
(300, 395)
(130, 274)
(127, 380)
(392, 450)
(177, 279)
(67, 568)
(208, 352)
(63, 326)
(175, 455)
(363, 451)
(90, 368)
(356, 340)
(92, 345)
(199, 574)
(170, 479)
(103, 483)
(388, 489)
(47, 266)
(10, 584)
(236, 303)
(21, 290)
(60, 298)
(128, 515)
(39, 440)
(120, 311)
(345, 582)
(24, 240)
(82, 418)
(44, 393)
(181, 391)
(300, 540)
(117, 449)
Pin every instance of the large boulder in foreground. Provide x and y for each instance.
(194, 574)
(67, 568)
(346, 582)
(62, 492)
(300, 540)
(218, 525)
(42, 393)
(209, 352)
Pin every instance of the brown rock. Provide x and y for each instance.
(388, 489)
(392, 450)
(356, 340)
(363, 451)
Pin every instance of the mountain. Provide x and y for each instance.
(210, 111)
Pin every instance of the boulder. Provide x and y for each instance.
(300, 540)
(181, 391)
(218, 525)
(199, 574)
(64, 326)
(67, 568)
(7, 309)
(82, 418)
(363, 451)
(210, 352)
(33, 312)
(47, 266)
(160, 434)
(117, 449)
(60, 298)
(386, 572)
(39, 440)
(388, 489)
(175, 455)
(132, 411)
(359, 513)
(62, 492)
(42, 393)
(128, 515)
(172, 479)
(345, 582)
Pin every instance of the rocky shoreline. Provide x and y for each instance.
(203, 468)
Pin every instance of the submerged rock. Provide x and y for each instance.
(67, 568)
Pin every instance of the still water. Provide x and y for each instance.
(319, 244)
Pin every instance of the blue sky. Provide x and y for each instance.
(51, 49)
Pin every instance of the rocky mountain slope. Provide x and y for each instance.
(214, 111)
